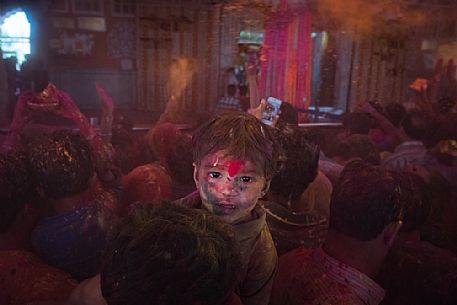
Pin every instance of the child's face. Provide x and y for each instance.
(228, 187)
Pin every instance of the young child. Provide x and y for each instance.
(234, 160)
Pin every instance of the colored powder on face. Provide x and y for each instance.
(234, 167)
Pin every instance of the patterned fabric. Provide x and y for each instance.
(291, 230)
(229, 103)
(416, 272)
(72, 241)
(24, 278)
(406, 152)
(258, 254)
(312, 277)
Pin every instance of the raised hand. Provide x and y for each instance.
(106, 120)
(257, 112)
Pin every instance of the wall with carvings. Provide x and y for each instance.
(87, 42)
(164, 48)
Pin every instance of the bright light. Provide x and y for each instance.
(15, 37)
(16, 25)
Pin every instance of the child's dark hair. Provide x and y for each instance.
(170, 255)
(241, 136)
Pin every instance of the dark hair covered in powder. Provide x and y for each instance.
(167, 254)
(365, 200)
(61, 163)
(242, 136)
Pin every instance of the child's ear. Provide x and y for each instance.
(265, 188)
(196, 175)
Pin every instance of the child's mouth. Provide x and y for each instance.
(228, 206)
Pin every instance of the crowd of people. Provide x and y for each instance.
(233, 211)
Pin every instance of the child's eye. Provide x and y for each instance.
(246, 179)
(215, 174)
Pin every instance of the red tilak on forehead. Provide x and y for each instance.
(234, 167)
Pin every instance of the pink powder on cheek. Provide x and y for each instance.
(210, 185)
(234, 167)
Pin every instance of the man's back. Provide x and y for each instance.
(311, 277)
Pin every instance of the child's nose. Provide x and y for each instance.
(230, 187)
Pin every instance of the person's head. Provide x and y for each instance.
(61, 164)
(161, 140)
(443, 129)
(170, 255)
(355, 146)
(299, 167)
(415, 124)
(416, 204)
(235, 158)
(17, 188)
(122, 121)
(439, 191)
(357, 123)
(145, 183)
(395, 112)
(445, 104)
(288, 115)
(365, 201)
(121, 132)
(231, 90)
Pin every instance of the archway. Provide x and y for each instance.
(15, 36)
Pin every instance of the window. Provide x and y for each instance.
(15, 36)
(125, 8)
(92, 7)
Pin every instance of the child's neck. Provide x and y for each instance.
(251, 216)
